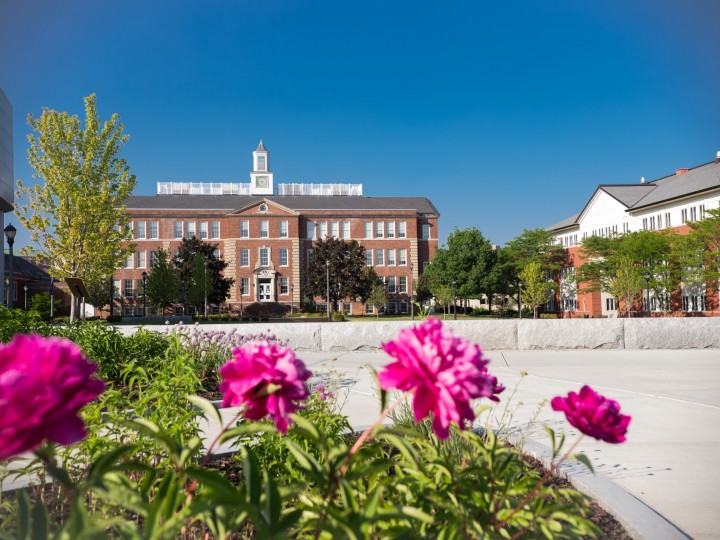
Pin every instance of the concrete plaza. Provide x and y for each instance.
(669, 461)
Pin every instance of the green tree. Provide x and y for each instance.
(201, 285)
(41, 303)
(184, 267)
(701, 249)
(346, 263)
(535, 288)
(378, 298)
(369, 280)
(162, 282)
(468, 259)
(99, 291)
(76, 214)
(626, 281)
(616, 265)
(532, 245)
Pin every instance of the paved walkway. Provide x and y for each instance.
(670, 461)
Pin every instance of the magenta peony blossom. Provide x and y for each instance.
(44, 382)
(444, 373)
(267, 378)
(593, 414)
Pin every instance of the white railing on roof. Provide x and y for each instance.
(202, 188)
(319, 189)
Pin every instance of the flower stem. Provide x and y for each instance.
(540, 482)
(368, 432)
(191, 489)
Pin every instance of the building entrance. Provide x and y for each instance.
(264, 290)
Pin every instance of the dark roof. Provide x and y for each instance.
(24, 269)
(261, 147)
(298, 203)
(698, 179)
(627, 194)
(564, 224)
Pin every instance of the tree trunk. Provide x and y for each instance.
(72, 307)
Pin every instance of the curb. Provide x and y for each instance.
(639, 520)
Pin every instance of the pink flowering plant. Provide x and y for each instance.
(303, 473)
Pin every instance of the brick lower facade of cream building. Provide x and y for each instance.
(266, 234)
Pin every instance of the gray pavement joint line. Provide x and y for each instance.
(504, 359)
(616, 389)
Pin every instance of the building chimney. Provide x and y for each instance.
(680, 172)
(642, 179)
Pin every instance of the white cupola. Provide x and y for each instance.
(261, 179)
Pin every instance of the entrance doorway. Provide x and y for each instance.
(264, 291)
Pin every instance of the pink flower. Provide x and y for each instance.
(593, 414)
(267, 378)
(43, 385)
(320, 389)
(443, 371)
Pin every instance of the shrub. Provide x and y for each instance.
(17, 321)
(548, 316)
(338, 316)
(140, 472)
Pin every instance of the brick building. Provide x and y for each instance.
(266, 233)
(669, 202)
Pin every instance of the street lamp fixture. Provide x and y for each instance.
(144, 276)
(647, 291)
(520, 299)
(10, 232)
(454, 284)
(327, 282)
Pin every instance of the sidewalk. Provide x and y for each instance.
(670, 458)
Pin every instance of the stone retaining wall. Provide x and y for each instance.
(528, 334)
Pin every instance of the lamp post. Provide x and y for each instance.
(454, 284)
(144, 276)
(647, 292)
(327, 282)
(520, 299)
(412, 306)
(25, 288)
(52, 294)
(7, 283)
(205, 285)
(292, 303)
(10, 235)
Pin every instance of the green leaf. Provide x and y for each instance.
(273, 503)
(253, 481)
(245, 429)
(582, 458)
(417, 514)
(108, 461)
(209, 410)
(39, 521)
(307, 462)
(307, 427)
(23, 510)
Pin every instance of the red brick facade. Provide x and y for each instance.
(266, 244)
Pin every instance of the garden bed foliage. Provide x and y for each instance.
(143, 471)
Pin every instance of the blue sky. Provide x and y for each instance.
(505, 114)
